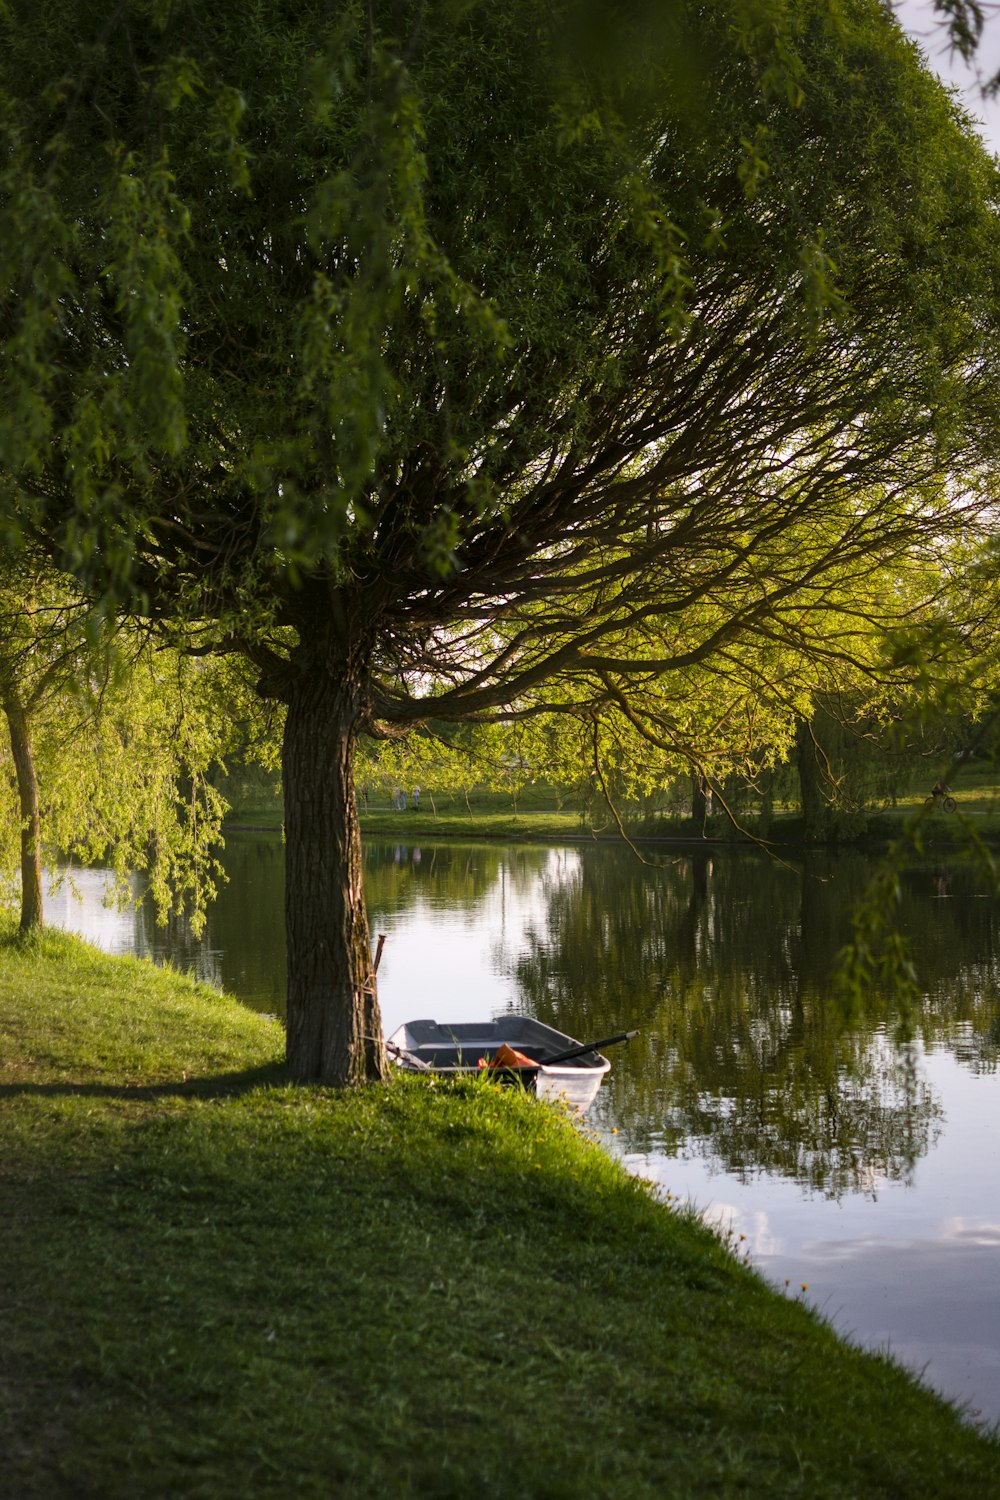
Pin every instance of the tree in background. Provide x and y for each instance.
(469, 362)
(913, 700)
(112, 741)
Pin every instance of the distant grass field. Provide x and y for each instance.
(541, 813)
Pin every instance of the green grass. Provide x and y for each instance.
(216, 1285)
(493, 820)
(501, 823)
(486, 814)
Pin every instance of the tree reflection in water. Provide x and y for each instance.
(723, 958)
(745, 1071)
(725, 962)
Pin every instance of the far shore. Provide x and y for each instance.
(976, 818)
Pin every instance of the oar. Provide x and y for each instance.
(579, 1051)
(410, 1057)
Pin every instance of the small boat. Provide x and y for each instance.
(512, 1049)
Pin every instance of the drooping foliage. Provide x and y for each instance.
(111, 741)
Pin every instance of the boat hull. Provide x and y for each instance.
(455, 1050)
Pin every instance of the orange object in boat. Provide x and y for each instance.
(508, 1057)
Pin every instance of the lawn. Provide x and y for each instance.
(218, 1285)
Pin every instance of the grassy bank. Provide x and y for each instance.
(215, 1285)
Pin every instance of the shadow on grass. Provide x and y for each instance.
(217, 1086)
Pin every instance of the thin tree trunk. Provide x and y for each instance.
(699, 803)
(813, 785)
(334, 1026)
(32, 915)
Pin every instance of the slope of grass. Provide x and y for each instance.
(216, 1285)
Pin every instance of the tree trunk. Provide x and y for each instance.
(699, 803)
(31, 818)
(813, 784)
(334, 1026)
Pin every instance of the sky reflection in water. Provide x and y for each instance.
(911, 1267)
(873, 1182)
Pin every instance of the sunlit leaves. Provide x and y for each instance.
(523, 365)
(125, 739)
(768, 31)
(301, 285)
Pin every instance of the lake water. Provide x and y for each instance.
(858, 1172)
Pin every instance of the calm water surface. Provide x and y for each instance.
(866, 1171)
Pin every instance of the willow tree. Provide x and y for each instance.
(112, 742)
(471, 360)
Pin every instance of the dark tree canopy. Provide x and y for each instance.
(473, 360)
